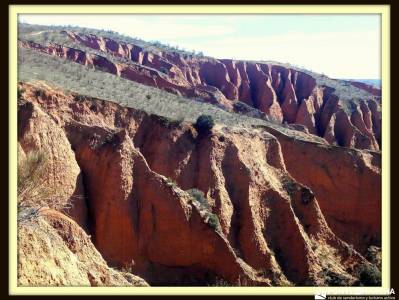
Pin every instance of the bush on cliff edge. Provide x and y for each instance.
(369, 275)
(200, 197)
(204, 124)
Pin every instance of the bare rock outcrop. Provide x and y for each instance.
(342, 191)
(306, 115)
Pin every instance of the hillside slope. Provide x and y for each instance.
(257, 223)
(344, 113)
(119, 187)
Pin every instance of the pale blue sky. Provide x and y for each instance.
(341, 46)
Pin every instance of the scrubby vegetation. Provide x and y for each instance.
(373, 255)
(51, 34)
(170, 182)
(204, 124)
(30, 178)
(79, 97)
(33, 189)
(369, 275)
(164, 70)
(335, 279)
(213, 222)
(199, 196)
(79, 79)
(211, 219)
(33, 192)
(170, 123)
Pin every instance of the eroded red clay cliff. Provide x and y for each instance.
(273, 229)
(284, 94)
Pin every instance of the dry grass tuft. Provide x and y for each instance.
(33, 191)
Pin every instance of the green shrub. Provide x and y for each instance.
(164, 70)
(213, 221)
(199, 196)
(79, 98)
(373, 255)
(369, 275)
(335, 279)
(204, 124)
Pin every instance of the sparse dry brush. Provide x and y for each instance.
(33, 190)
(94, 83)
